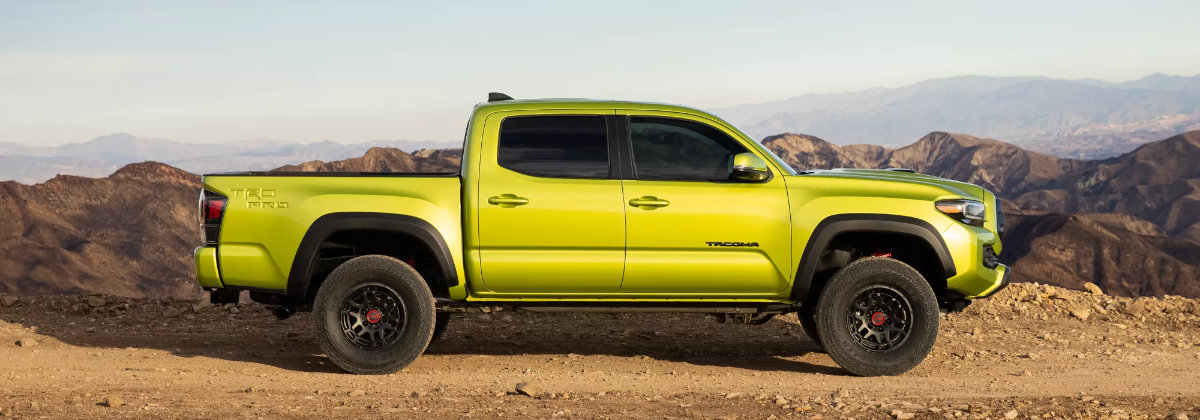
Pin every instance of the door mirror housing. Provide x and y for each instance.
(750, 168)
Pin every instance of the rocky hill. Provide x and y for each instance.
(379, 159)
(1124, 255)
(128, 234)
(1159, 182)
(998, 166)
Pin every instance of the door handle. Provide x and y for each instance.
(649, 201)
(508, 200)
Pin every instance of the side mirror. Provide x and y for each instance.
(750, 168)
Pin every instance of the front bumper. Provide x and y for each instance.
(207, 273)
(1003, 282)
(974, 252)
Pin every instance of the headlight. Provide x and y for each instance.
(967, 211)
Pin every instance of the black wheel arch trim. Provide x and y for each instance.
(329, 224)
(833, 226)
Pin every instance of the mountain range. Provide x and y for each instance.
(1068, 118)
(1130, 224)
(105, 154)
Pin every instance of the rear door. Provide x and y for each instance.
(691, 229)
(551, 217)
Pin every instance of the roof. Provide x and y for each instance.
(577, 103)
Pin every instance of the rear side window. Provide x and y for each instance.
(555, 146)
(680, 150)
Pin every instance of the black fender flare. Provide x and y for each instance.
(329, 224)
(832, 226)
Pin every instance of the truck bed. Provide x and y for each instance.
(335, 174)
(269, 213)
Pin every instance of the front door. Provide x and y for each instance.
(551, 217)
(691, 229)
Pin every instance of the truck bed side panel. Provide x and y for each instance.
(267, 216)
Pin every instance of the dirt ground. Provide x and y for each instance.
(1031, 351)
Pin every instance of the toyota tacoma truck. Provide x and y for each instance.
(586, 205)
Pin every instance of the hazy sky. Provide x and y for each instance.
(222, 71)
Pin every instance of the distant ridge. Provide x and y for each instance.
(1067, 118)
(102, 155)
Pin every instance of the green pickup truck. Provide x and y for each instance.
(584, 205)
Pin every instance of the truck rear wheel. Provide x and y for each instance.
(877, 316)
(373, 315)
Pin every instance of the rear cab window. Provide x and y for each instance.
(555, 146)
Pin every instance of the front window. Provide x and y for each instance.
(681, 150)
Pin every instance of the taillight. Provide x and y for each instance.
(212, 209)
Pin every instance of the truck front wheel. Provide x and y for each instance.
(877, 316)
(373, 315)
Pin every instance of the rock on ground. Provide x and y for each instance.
(526, 388)
(96, 301)
(113, 401)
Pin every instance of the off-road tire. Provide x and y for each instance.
(871, 278)
(378, 273)
(439, 326)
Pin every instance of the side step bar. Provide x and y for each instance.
(624, 307)
(650, 309)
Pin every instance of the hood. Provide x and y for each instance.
(961, 188)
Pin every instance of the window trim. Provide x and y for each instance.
(630, 168)
(611, 139)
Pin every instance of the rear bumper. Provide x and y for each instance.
(207, 274)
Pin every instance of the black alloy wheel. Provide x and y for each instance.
(880, 319)
(373, 316)
(877, 316)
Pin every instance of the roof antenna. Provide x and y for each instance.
(497, 96)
